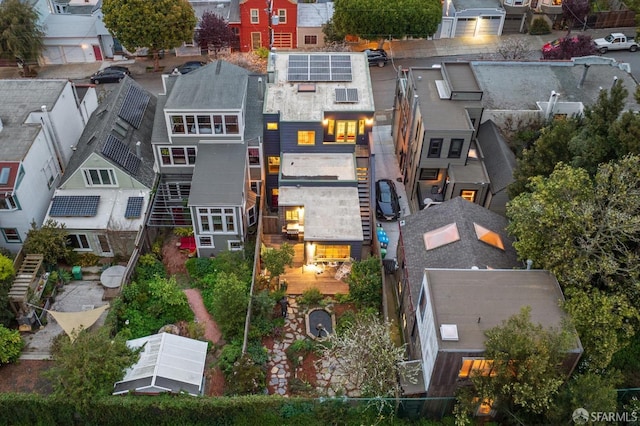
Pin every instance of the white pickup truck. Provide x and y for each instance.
(615, 41)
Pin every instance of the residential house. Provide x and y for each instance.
(168, 364)
(229, 10)
(471, 18)
(438, 111)
(268, 24)
(207, 144)
(40, 123)
(500, 162)
(105, 192)
(311, 19)
(456, 308)
(318, 118)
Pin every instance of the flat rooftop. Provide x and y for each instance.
(331, 167)
(330, 213)
(283, 97)
(477, 300)
(111, 210)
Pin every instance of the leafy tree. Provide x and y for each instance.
(594, 143)
(228, 301)
(572, 47)
(526, 368)
(146, 306)
(20, 35)
(591, 391)
(156, 25)
(246, 377)
(11, 345)
(88, 367)
(215, 33)
(575, 11)
(331, 34)
(366, 358)
(51, 240)
(6, 280)
(6, 269)
(551, 147)
(380, 19)
(276, 259)
(365, 283)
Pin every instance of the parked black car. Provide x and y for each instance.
(377, 57)
(112, 74)
(187, 67)
(387, 200)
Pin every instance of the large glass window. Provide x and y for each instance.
(306, 137)
(435, 146)
(202, 124)
(282, 16)
(100, 177)
(78, 242)
(455, 149)
(346, 131)
(178, 156)
(469, 194)
(216, 220)
(231, 124)
(274, 165)
(481, 366)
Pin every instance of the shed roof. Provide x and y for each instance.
(498, 158)
(168, 363)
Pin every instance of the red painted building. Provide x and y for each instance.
(268, 23)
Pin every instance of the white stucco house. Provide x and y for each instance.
(40, 124)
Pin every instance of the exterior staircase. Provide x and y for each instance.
(364, 194)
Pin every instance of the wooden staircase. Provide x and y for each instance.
(364, 194)
(26, 279)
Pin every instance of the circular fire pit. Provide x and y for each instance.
(320, 323)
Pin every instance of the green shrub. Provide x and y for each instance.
(228, 356)
(183, 232)
(539, 26)
(345, 321)
(300, 348)
(342, 298)
(198, 267)
(262, 52)
(310, 297)
(11, 345)
(365, 283)
(88, 259)
(246, 377)
(149, 267)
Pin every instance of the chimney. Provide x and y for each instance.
(615, 80)
(261, 88)
(138, 154)
(552, 100)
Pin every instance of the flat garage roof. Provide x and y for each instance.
(330, 214)
(316, 167)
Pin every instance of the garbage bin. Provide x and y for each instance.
(76, 271)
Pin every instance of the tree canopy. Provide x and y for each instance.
(51, 240)
(525, 373)
(214, 33)
(156, 25)
(381, 19)
(20, 35)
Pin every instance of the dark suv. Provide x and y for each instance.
(377, 57)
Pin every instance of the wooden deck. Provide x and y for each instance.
(301, 277)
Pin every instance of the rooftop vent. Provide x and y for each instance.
(449, 332)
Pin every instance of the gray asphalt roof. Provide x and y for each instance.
(499, 160)
(463, 254)
(477, 300)
(160, 134)
(101, 124)
(19, 99)
(219, 175)
(519, 85)
(218, 85)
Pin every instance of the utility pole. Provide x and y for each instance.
(272, 21)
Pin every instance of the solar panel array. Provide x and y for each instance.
(319, 68)
(118, 152)
(74, 206)
(135, 103)
(134, 207)
(344, 95)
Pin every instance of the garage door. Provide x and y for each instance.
(52, 55)
(465, 27)
(512, 24)
(73, 54)
(489, 25)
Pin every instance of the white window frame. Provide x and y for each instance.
(185, 149)
(205, 241)
(190, 124)
(206, 220)
(50, 171)
(110, 173)
(255, 16)
(282, 16)
(80, 242)
(9, 203)
(235, 245)
(258, 157)
(252, 216)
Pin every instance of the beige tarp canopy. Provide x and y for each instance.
(76, 321)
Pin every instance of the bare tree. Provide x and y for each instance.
(514, 49)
